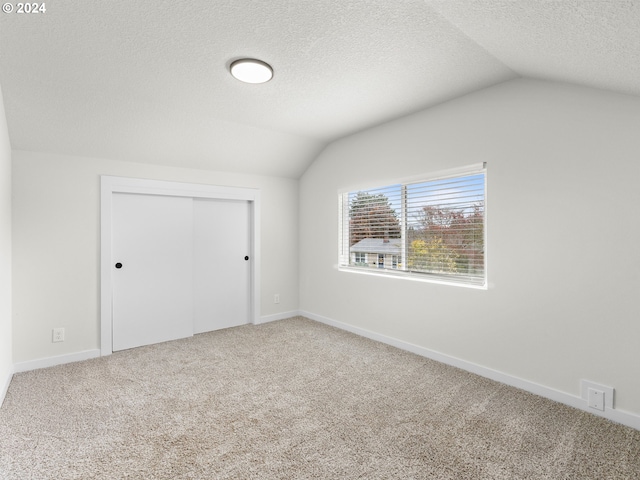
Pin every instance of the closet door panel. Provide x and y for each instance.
(222, 269)
(152, 269)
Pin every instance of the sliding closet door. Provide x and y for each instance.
(152, 269)
(222, 269)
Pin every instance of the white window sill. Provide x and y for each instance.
(425, 278)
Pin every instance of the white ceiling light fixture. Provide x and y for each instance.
(250, 70)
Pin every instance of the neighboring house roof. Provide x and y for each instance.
(377, 245)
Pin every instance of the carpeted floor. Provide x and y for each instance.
(294, 399)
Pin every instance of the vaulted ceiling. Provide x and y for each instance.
(149, 81)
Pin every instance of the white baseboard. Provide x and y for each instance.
(57, 360)
(4, 386)
(619, 416)
(277, 316)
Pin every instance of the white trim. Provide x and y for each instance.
(57, 360)
(390, 273)
(625, 418)
(486, 226)
(110, 185)
(278, 316)
(4, 387)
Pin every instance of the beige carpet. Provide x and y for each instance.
(291, 400)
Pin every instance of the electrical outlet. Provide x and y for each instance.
(276, 298)
(58, 335)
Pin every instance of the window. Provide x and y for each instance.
(430, 229)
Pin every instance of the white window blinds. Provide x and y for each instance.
(432, 228)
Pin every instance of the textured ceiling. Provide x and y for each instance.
(149, 81)
(591, 42)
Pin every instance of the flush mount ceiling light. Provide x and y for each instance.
(250, 70)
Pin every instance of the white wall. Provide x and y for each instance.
(563, 230)
(6, 364)
(56, 245)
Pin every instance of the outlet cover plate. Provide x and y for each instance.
(596, 398)
(608, 392)
(58, 335)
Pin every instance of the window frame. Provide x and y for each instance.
(397, 273)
